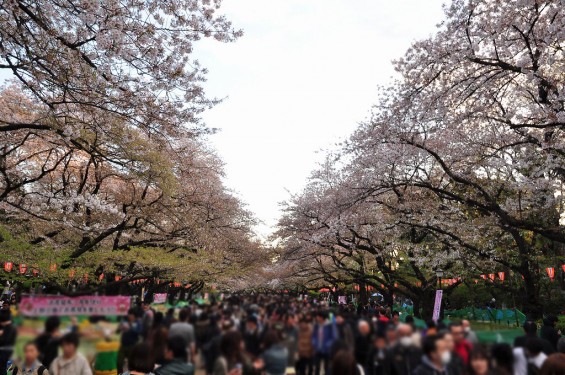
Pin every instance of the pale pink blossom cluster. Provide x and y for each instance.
(460, 166)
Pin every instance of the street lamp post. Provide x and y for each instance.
(439, 274)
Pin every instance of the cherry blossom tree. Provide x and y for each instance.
(103, 157)
(467, 146)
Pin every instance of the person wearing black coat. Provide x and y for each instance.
(8, 336)
(548, 331)
(252, 337)
(436, 357)
(531, 331)
(376, 359)
(362, 342)
(404, 356)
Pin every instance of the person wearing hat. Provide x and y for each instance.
(8, 336)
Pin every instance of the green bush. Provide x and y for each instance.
(560, 325)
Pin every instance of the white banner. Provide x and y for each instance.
(437, 305)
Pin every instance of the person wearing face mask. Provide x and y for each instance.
(456, 365)
(436, 357)
(404, 356)
(470, 335)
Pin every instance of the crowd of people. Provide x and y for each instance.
(281, 335)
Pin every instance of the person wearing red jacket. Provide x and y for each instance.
(462, 347)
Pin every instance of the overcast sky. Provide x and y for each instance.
(299, 80)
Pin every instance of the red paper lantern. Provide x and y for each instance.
(72, 274)
(501, 276)
(23, 268)
(117, 277)
(35, 272)
(85, 277)
(8, 266)
(563, 267)
(492, 276)
(53, 267)
(484, 277)
(550, 272)
(101, 277)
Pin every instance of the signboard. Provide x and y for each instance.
(159, 298)
(437, 305)
(342, 300)
(68, 306)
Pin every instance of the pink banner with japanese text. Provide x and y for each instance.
(69, 306)
(159, 298)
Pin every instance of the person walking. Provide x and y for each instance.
(470, 335)
(130, 331)
(479, 362)
(436, 357)
(31, 365)
(176, 362)
(232, 360)
(49, 341)
(275, 356)
(549, 332)
(184, 329)
(8, 335)
(140, 360)
(403, 356)
(70, 362)
(305, 365)
(323, 336)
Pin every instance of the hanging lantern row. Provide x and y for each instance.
(23, 270)
(502, 275)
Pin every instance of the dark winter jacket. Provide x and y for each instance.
(176, 367)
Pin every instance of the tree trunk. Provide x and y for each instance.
(363, 297)
(417, 304)
(428, 300)
(388, 298)
(531, 304)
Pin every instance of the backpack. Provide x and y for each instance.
(40, 370)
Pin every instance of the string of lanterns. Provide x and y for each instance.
(23, 270)
(450, 281)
